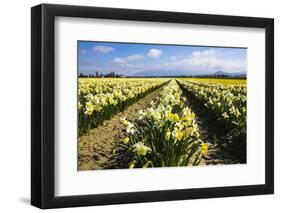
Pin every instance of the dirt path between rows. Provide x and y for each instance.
(217, 154)
(95, 148)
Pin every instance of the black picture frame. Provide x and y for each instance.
(43, 117)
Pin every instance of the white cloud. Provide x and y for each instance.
(210, 60)
(207, 61)
(130, 58)
(154, 53)
(205, 53)
(175, 57)
(135, 57)
(128, 65)
(103, 49)
(120, 61)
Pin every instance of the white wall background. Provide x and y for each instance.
(15, 105)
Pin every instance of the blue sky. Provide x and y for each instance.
(149, 59)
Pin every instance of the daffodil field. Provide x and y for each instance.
(165, 134)
(100, 99)
(226, 100)
(186, 118)
(223, 103)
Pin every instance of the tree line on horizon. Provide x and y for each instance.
(116, 75)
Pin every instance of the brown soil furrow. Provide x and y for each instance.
(95, 148)
(217, 154)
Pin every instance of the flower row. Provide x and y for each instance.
(165, 134)
(100, 99)
(225, 100)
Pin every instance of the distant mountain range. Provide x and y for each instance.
(229, 74)
(164, 73)
(189, 73)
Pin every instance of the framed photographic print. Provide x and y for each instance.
(139, 106)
